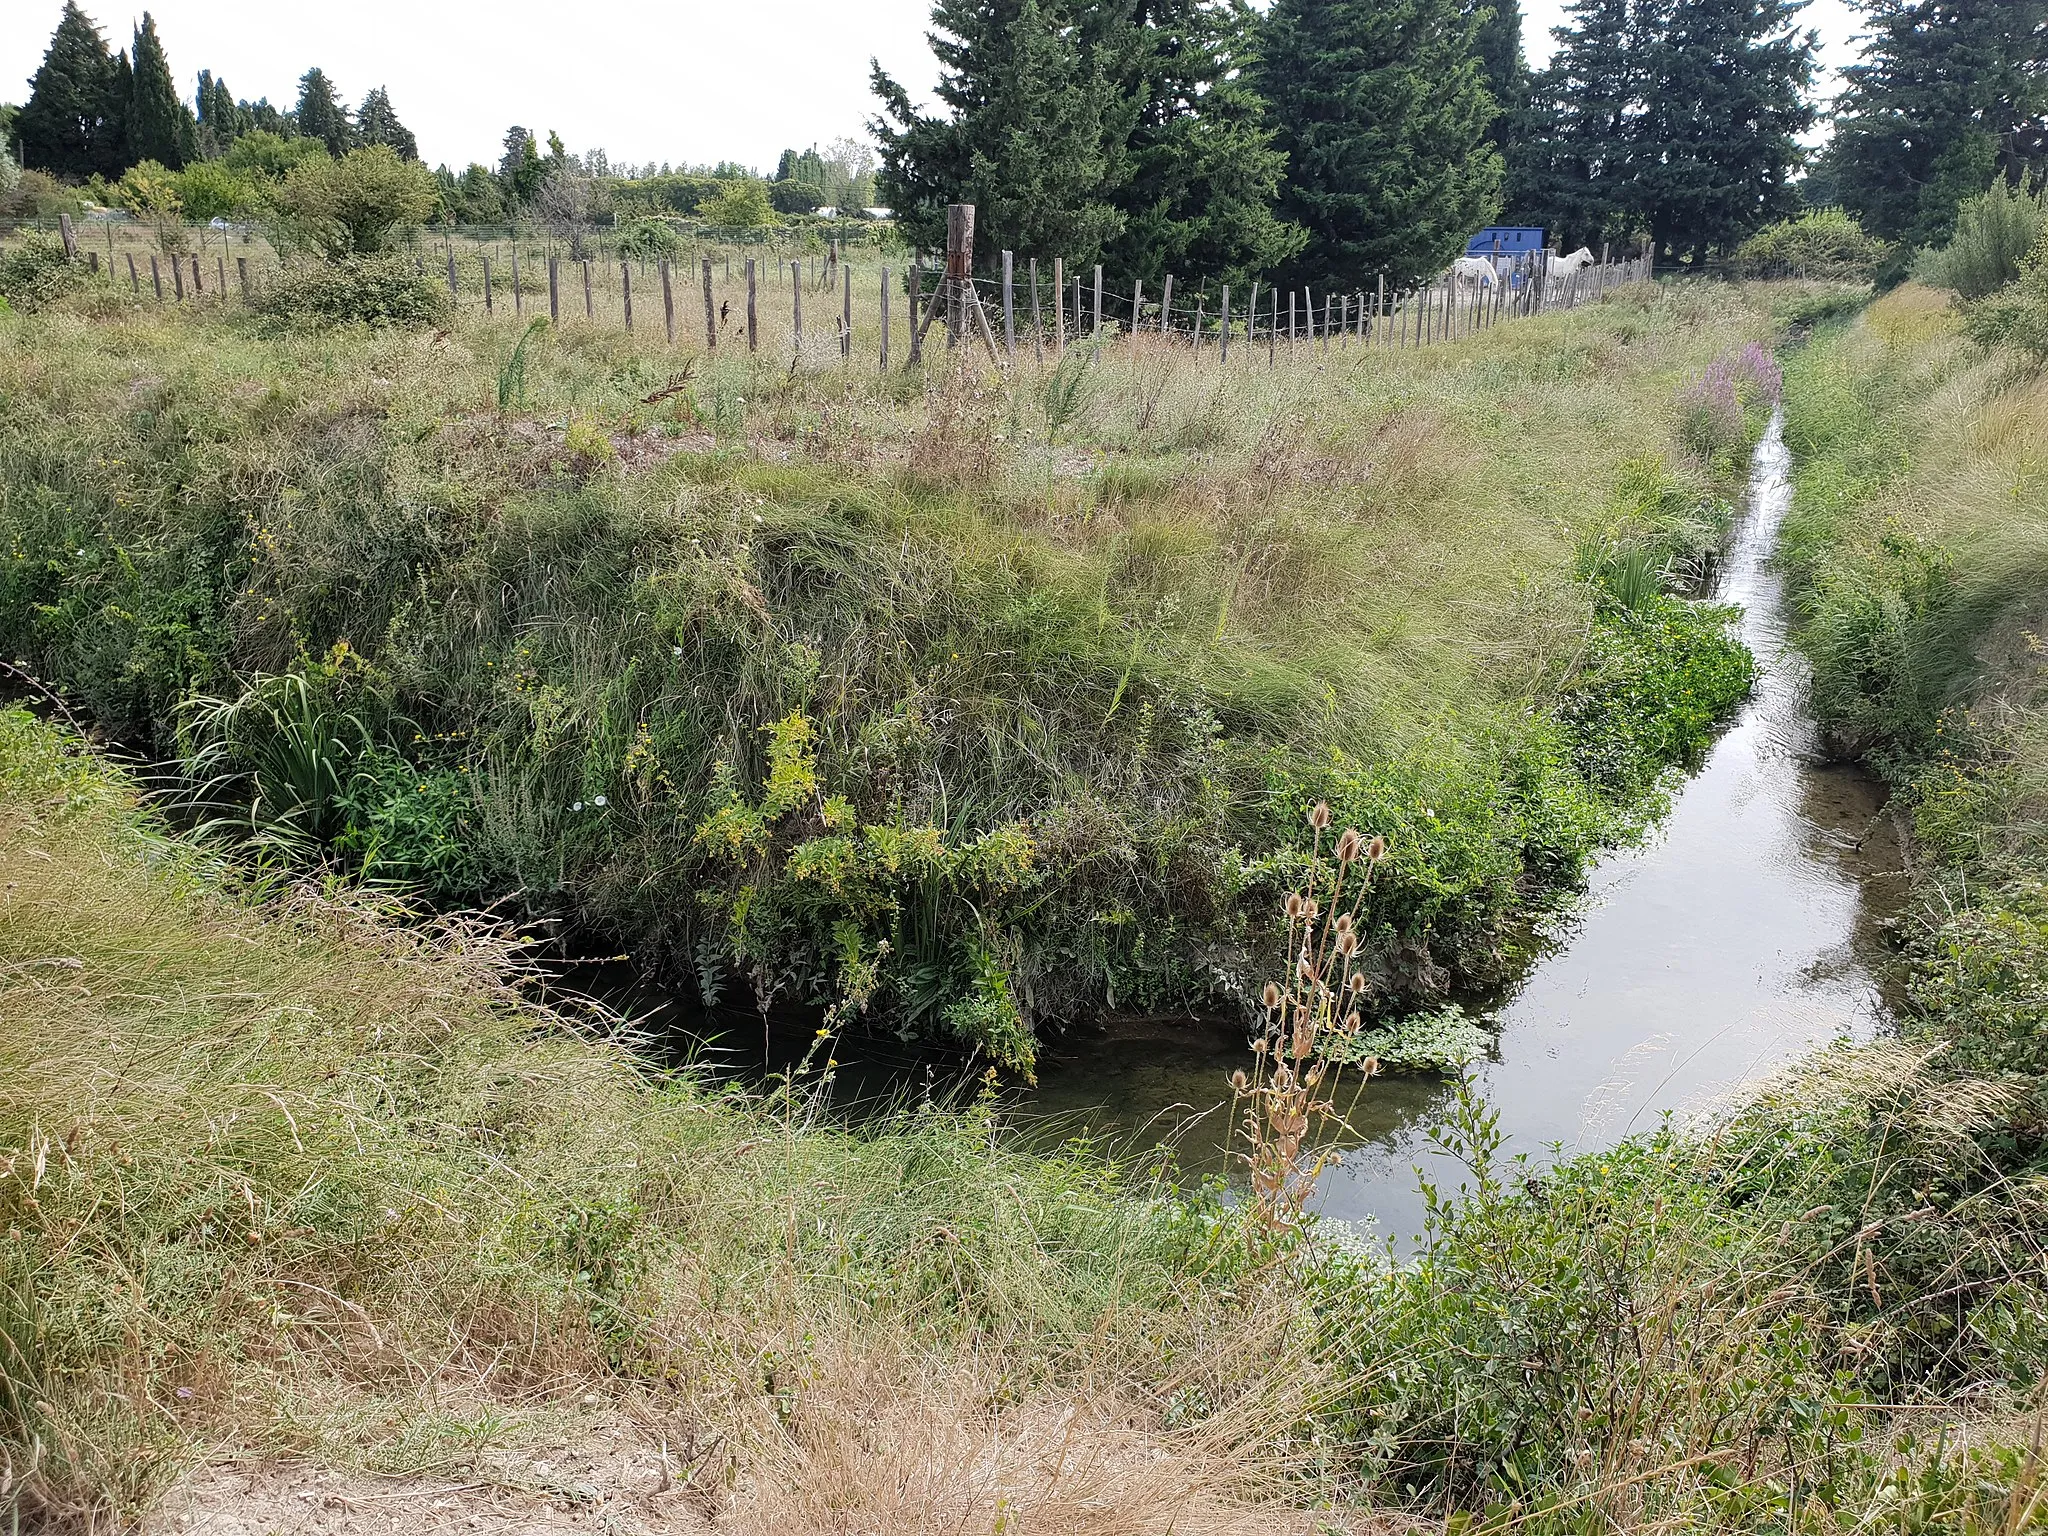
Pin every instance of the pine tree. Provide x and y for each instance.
(1947, 95)
(1383, 114)
(1497, 37)
(1723, 102)
(320, 114)
(159, 126)
(1569, 156)
(69, 125)
(377, 123)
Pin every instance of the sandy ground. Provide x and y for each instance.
(617, 1480)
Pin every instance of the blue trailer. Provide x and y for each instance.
(1505, 240)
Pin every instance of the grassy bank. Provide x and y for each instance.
(287, 1185)
(963, 702)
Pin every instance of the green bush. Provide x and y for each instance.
(37, 272)
(354, 205)
(650, 239)
(1994, 232)
(1824, 243)
(2016, 317)
(385, 291)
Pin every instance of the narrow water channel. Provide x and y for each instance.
(1738, 936)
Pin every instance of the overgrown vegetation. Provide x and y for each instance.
(956, 701)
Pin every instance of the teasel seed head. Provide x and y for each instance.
(1344, 922)
(1239, 1083)
(1376, 849)
(1348, 845)
(1358, 983)
(1347, 943)
(1271, 996)
(1319, 818)
(1296, 905)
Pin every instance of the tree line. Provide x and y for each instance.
(1323, 141)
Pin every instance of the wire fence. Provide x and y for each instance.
(814, 304)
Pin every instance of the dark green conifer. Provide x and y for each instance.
(69, 125)
(159, 126)
(1383, 113)
(377, 123)
(320, 114)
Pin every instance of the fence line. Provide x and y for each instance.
(1059, 310)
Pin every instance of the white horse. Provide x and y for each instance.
(1473, 272)
(1562, 267)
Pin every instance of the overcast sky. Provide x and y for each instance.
(683, 82)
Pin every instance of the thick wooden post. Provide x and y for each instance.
(177, 278)
(959, 268)
(135, 278)
(626, 292)
(1223, 334)
(1009, 306)
(589, 300)
(518, 301)
(70, 236)
(668, 302)
(1166, 310)
(1059, 304)
(753, 326)
(198, 287)
(885, 320)
(711, 310)
(488, 297)
(554, 290)
(156, 277)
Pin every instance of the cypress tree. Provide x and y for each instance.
(320, 114)
(376, 123)
(1946, 95)
(70, 124)
(520, 172)
(159, 127)
(1383, 113)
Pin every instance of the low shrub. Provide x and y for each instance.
(650, 239)
(383, 291)
(37, 273)
(1824, 243)
(2016, 317)
(1994, 232)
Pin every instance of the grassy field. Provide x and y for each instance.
(971, 701)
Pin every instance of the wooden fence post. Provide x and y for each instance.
(1037, 323)
(885, 320)
(452, 293)
(518, 302)
(177, 278)
(626, 291)
(70, 236)
(1251, 322)
(488, 296)
(959, 269)
(156, 277)
(1166, 311)
(554, 290)
(668, 303)
(220, 272)
(916, 303)
(134, 277)
(1292, 295)
(1273, 331)
(845, 281)
(1098, 300)
(1059, 304)
(711, 311)
(1009, 306)
(796, 302)
(198, 287)
(753, 328)
(1137, 305)
(1225, 332)
(589, 302)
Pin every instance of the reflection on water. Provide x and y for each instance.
(1733, 940)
